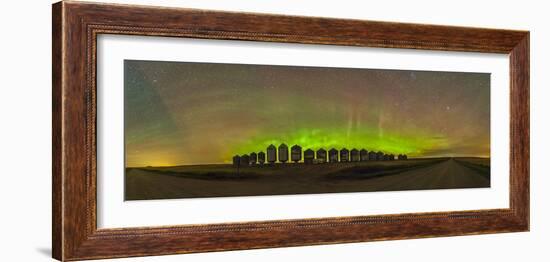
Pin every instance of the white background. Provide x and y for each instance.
(113, 212)
(25, 136)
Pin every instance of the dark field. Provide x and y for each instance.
(282, 179)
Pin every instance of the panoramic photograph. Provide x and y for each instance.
(196, 130)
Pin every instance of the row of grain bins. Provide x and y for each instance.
(281, 155)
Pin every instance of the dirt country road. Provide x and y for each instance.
(448, 174)
(444, 174)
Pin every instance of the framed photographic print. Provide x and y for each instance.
(182, 130)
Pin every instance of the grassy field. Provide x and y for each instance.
(226, 180)
(482, 165)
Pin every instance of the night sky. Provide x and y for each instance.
(179, 113)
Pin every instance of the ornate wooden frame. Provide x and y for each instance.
(76, 26)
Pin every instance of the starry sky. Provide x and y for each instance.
(180, 113)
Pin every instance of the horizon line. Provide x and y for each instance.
(301, 162)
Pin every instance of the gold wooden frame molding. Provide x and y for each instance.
(76, 26)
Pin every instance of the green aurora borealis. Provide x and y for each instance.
(179, 113)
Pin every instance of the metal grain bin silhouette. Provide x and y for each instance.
(253, 158)
(271, 154)
(296, 153)
(372, 156)
(354, 155)
(379, 156)
(283, 153)
(321, 155)
(261, 158)
(344, 155)
(309, 155)
(236, 160)
(333, 155)
(363, 155)
(245, 160)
